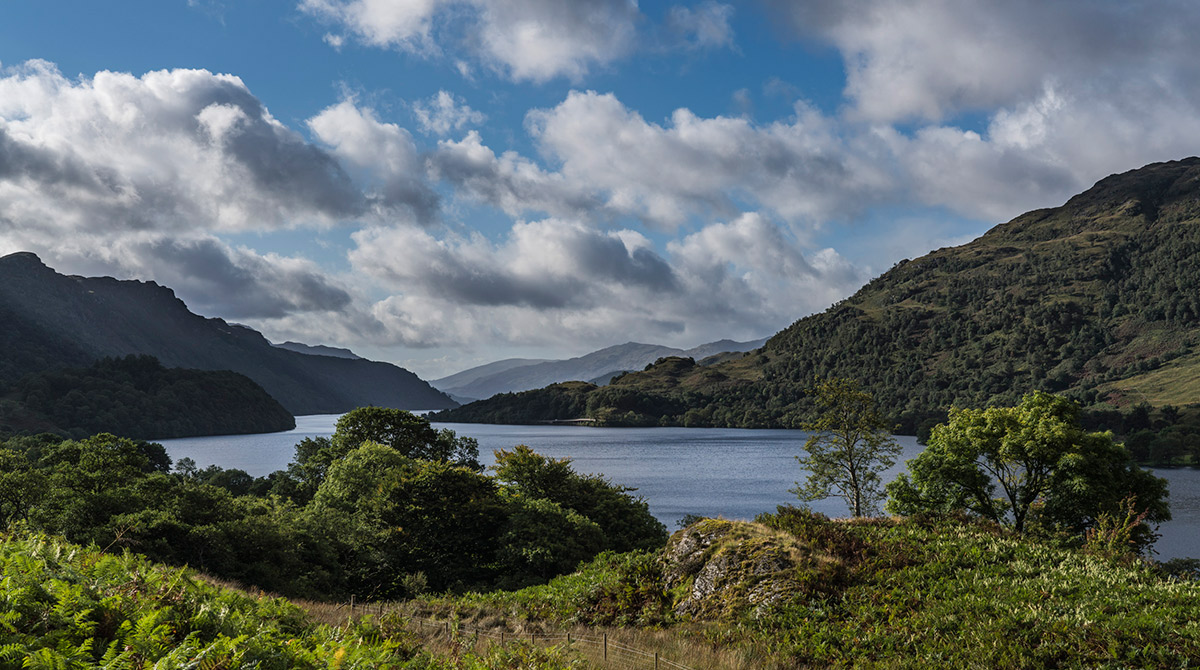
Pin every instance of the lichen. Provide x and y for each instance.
(720, 570)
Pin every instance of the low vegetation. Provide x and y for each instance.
(67, 606)
(795, 590)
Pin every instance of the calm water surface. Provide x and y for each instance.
(727, 472)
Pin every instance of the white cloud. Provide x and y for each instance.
(556, 279)
(798, 169)
(140, 176)
(384, 154)
(931, 59)
(168, 150)
(445, 112)
(529, 40)
(510, 182)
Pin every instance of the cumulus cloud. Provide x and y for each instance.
(139, 176)
(555, 279)
(384, 154)
(797, 168)
(510, 181)
(529, 40)
(167, 150)
(444, 113)
(930, 59)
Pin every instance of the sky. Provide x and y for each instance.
(444, 183)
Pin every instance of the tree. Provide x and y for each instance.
(625, 520)
(396, 515)
(849, 447)
(408, 434)
(1039, 458)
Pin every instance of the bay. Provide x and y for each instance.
(727, 472)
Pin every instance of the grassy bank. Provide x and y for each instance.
(910, 593)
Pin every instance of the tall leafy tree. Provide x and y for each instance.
(850, 445)
(1003, 463)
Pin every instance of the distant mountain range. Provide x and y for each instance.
(598, 367)
(1098, 299)
(53, 321)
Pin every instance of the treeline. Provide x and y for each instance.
(386, 508)
(139, 397)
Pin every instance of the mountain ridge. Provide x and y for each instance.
(598, 367)
(1098, 299)
(56, 320)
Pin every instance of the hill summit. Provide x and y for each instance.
(1098, 299)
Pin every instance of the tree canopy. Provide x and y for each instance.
(1010, 464)
(850, 445)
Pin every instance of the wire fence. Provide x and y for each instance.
(596, 646)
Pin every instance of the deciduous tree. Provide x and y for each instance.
(850, 445)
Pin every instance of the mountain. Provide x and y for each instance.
(518, 374)
(1098, 299)
(317, 350)
(460, 380)
(53, 321)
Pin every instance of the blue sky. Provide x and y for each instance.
(442, 183)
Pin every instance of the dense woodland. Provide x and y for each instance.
(1098, 300)
(139, 397)
(385, 508)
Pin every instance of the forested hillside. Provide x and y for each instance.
(1098, 300)
(139, 397)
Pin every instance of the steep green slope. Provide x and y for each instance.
(138, 397)
(52, 320)
(1094, 299)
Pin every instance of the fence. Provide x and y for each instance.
(597, 647)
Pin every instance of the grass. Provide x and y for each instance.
(903, 593)
(907, 594)
(1176, 383)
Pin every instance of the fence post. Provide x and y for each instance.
(656, 660)
(501, 638)
(606, 647)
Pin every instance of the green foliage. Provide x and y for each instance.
(371, 522)
(625, 520)
(1042, 461)
(850, 445)
(612, 588)
(399, 515)
(406, 433)
(65, 606)
(542, 540)
(136, 396)
(557, 401)
(918, 593)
